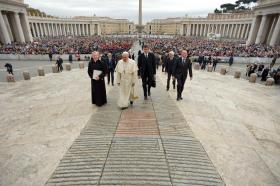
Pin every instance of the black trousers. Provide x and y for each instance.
(147, 84)
(214, 67)
(110, 76)
(168, 81)
(180, 85)
(59, 68)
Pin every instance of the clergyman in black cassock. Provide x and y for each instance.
(181, 68)
(98, 90)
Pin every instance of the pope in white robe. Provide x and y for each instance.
(126, 79)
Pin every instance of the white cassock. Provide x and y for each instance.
(126, 77)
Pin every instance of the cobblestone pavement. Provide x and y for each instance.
(147, 144)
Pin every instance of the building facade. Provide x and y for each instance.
(262, 25)
(227, 25)
(14, 22)
(266, 23)
(78, 26)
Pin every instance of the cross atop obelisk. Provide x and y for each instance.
(140, 27)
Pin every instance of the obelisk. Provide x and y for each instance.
(140, 26)
(140, 13)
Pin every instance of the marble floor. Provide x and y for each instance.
(238, 124)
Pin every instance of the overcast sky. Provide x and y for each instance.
(127, 8)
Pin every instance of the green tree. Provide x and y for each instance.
(228, 7)
(217, 11)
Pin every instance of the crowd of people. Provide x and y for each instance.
(86, 45)
(264, 71)
(205, 51)
(69, 45)
(222, 48)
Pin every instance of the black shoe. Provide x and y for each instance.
(145, 98)
(149, 93)
(113, 84)
(167, 89)
(123, 108)
(181, 98)
(178, 99)
(131, 102)
(173, 87)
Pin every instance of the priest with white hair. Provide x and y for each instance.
(126, 70)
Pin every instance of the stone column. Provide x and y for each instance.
(271, 28)
(33, 30)
(71, 29)
(4, 30)
(248, 31)
(276, 33)
(205, 30)
(263, 30)
(227, 30)
(243, 31)
(26, 27)
(219, 29)
(208, 29)
(37, 30)
(49, 29)
(99, 29)
(57, 29)
(201, 30)
(191, 30)
(18, 28)
(52, 30)
(235, 31)
(75, 29)
(254, 30)
(239, 31)
(224, 30)
(79, 29)
(41, 30)
(45, 29)
(230, 31)
(83, 29)
(197, 30)
(8, 26)
(62, 29)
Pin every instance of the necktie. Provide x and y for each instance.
(146, 56)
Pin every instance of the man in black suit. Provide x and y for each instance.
(111, 65)
(147, 70)
(170, 61)
(181, 68)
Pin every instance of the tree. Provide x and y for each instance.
(228, 7)
(217, 11)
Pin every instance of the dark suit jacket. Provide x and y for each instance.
(113, 63)
(169, 65)
(181, 70)
(146, 67)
